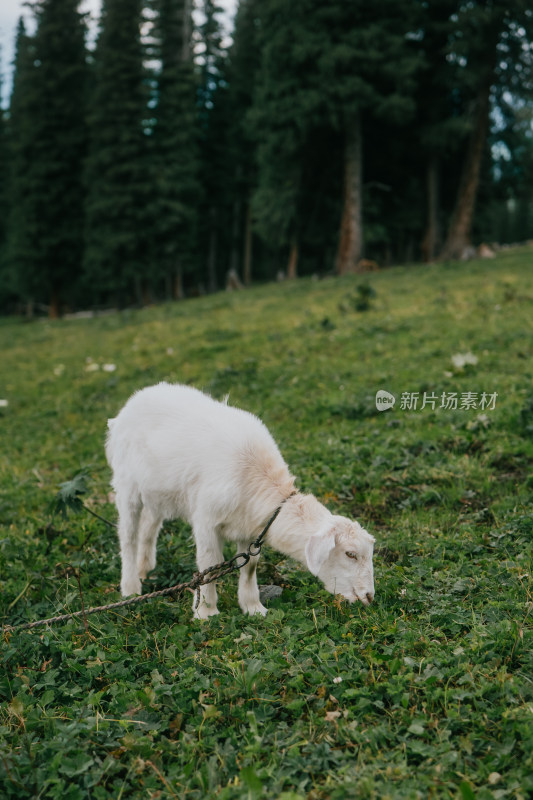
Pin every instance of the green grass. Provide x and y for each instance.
(436, 696)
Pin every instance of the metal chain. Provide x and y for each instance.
(199, 579)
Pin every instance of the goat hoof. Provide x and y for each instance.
(256, 608)
(131, 587)
(145, 567)
(204, 612)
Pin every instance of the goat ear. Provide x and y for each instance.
(318, 549)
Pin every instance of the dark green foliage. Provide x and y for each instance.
(48, 138)
(490, 44)
(4, 204)
(279, 164)
(214, 166)
(175, 188)
(322, 132)
(511, 210)
(20, 273)
(526, 416)
(321, 65)
(244, 58)
(118, 217)
(364, 295)
(69, 495)
(287, 106)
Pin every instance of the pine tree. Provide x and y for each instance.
(440, 118)
(174, 146)
(213, 127)
(369, 69)
(4, 204)
(244, 61)
(334, 65)
(20, 272)
(60, 143)
(118, 179)
(510, 217)
(48, 134)
(282, 116)
(492, 42)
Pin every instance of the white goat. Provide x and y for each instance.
(176, 452)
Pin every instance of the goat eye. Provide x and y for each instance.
(351, 554)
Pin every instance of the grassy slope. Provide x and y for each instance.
(436, 694)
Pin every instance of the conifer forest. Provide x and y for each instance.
(317, 138)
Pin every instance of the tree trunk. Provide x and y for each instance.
(187, 24)
(292, 266)
(247, 259)
(177, 289)
(146, 294)
(212, 254)
(431, 241)
(235, 238)
(351, 233)
(142, 292)
(459, 232)
(53, 308)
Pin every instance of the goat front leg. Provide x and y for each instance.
(248, 589)
(129, 511)
(149, 527)
(208, 553)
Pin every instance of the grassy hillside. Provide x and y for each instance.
(436, 694)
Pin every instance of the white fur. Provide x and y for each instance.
(176, 452)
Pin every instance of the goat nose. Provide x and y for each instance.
(370, 596)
